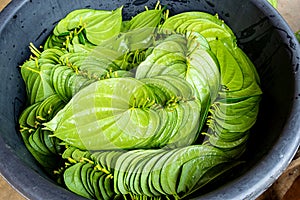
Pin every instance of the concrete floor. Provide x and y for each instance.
(289, 9)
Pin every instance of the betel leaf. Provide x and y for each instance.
(98, 25)
(230, 70)
(211, 27)
(176, 172)
(37, 81)
(106, 108)
(73, 181)
(122, 113)
(79, 69)
(137, 95)
(273, 3)
(36, 73)
(187, 57)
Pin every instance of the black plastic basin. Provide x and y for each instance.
(262, 34)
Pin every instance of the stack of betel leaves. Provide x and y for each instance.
(154, 107)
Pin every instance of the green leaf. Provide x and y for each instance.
(211, 27)
(73, 181)
(99, 25)
(107, 108)
(37, 80)
(273, 3)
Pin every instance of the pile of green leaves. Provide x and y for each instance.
(155, 107)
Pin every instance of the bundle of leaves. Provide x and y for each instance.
(155, 107)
